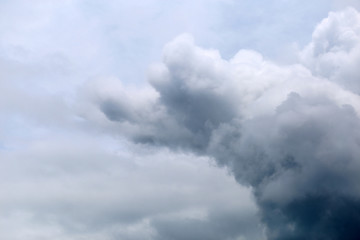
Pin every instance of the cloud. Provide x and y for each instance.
(77, 185)
(290, 132)
(280, 129)
(228, 224)
(305, 156)
(61, 178)
(335, 49)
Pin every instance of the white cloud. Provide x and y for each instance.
(335, 49)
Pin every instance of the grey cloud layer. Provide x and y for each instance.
(69, 187)
(290, 132)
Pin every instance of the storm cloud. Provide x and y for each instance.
(290, 132)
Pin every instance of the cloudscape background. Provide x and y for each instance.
(174, 120)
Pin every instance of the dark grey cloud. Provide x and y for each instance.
(304, 169)
(292, 133)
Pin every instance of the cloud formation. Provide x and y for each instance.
(290, 132)
(335, 49)
(67, 186)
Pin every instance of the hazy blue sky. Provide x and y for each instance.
(179, 120)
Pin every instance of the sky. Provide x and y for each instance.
(179, 120)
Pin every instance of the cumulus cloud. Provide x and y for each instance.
(290, 132)
(334, 50)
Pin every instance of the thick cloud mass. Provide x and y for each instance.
(304, 169)
(292, 133)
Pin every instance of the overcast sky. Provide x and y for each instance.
(179, 120)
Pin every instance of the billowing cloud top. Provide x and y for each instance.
(290, 132)
(334, 50)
